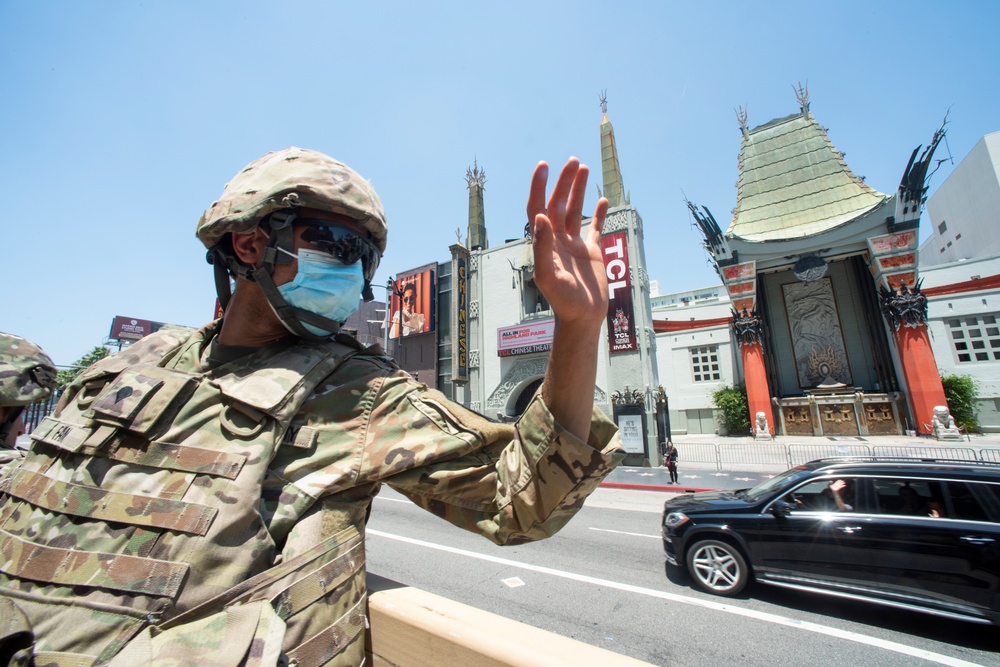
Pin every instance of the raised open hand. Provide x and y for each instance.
(569, 269)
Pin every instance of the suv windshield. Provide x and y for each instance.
(764, 489)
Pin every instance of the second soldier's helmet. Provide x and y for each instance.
(27, 374)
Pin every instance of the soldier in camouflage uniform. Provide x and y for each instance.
(201, 497)
(27, 376)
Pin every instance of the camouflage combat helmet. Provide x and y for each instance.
(293, 178)
(276, 187)
(26, 373)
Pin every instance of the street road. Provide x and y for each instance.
(602, 580)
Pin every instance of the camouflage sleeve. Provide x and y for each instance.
(520, 482)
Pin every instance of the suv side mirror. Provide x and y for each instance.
(781, 508)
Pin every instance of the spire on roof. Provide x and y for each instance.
(741, 118)
(614, 188)
(802, 95)
(475, 179)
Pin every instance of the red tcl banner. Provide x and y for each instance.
(621, 315)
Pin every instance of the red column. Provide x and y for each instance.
(758, 393)
(923, 381)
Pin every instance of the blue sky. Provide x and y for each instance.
(122, 121)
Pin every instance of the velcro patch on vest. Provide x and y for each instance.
(305, 437)
(139, 396)
(71, 567)
(63, 435)
(95, 503)
(123, 397)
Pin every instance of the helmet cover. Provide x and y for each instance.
(293, 178)
(26, 373)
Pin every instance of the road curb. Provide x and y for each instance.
(655, 487)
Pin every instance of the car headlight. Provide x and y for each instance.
(675, 519)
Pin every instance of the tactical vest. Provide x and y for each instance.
(133, 527)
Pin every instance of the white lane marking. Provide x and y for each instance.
(513, 582)
(395, 500)
(707, 604)
(622, 532)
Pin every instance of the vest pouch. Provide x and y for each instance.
(140, 396)
(245, 635)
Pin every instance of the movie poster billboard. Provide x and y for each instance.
(460, 314)
(411, 310)
(621, 314)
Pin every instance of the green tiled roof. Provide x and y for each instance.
(794, 183)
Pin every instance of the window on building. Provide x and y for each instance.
(975, 338)
(534, 302)
(705, 363)
(943, 227)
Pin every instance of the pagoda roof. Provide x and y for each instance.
(794, 183)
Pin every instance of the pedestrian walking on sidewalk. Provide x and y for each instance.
(670, 460)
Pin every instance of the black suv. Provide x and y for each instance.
(921, 534)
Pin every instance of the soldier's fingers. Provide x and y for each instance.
(536, 196)
(597, 222)
(574, 208)
(557, 202)
(542, 246)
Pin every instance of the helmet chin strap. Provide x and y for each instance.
(281, 237)
(291, 316)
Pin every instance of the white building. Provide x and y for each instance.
(960, 269)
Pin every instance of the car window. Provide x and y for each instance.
(909, 497)
(964, 504)
(760, 491)
(824, 495)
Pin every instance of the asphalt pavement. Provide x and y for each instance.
(704, 476)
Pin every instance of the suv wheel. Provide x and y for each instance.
(717, 567)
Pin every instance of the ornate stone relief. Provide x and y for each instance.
(747, 327)
(520, 371)
(473, 309)
(473, 358)
(643, 278)
(615, 222)
(906, 306)
(474, 262)
(476, 406)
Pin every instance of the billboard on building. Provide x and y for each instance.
(131, 329)
(525, 338)
(621, 314)
(411, 310)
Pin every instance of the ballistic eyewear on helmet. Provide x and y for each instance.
(345, 244)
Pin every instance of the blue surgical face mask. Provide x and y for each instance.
(325, 286)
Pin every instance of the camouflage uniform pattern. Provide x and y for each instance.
(27, 374)
(293, 178)
(197, 515)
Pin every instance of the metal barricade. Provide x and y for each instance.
(749, 457)
(704, 454)
(923, 452)
(799, 454)
(991, 455)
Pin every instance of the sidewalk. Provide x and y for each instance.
(705, 477)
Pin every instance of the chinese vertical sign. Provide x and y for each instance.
(460, 314)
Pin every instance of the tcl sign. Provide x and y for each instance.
(621, 316)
